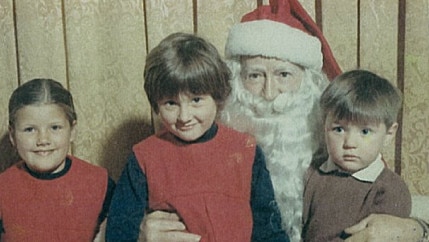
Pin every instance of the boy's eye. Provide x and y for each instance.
(366, 131)
(337, 129)
(169, 103)
(28, 129)
(196, 99)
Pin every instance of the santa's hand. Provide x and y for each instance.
(383, 227)
(163, 226)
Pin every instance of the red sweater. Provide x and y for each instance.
(62, 209)
(208, 184)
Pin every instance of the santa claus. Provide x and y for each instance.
(278, 58)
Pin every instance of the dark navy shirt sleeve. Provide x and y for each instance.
(266, 215)
(107, 199)
(128, 205)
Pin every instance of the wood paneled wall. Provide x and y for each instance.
(97, 49)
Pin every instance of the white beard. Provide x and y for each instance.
(288, 130)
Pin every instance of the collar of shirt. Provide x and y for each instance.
(367, 174)
(51, 176)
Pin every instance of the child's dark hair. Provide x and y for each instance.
(185, 63)
(41, 91)
(361, 96)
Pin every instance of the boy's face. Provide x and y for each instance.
(188, 116)
(42, 136)
(353, 146)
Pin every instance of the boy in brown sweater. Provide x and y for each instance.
(359, 112)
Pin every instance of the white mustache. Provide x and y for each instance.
(282, 104)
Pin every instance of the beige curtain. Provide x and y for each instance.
(97, 49)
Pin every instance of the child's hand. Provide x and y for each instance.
(163, 226)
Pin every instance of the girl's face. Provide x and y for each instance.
(268, 77)
(353, 146)
(188, 116)
(42, 136)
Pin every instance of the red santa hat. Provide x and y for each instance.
(282, 30)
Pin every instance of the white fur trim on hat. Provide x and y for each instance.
(274, 39)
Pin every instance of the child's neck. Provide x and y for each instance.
(50, 176)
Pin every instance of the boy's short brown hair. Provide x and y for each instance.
(361, 96)
(185, 63)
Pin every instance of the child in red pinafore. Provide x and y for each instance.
(213, 177)
(49, 195)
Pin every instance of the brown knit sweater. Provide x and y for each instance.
(334, 201)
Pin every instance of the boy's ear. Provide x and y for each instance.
(11, 135)
(73, 130)
(391, 133)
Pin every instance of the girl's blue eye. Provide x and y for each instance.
(366, 131)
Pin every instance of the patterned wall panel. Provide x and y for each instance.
(8, 68)
(216, 17)
(106, 47)
(339, 23)
(8, 79)
(8, 61)
(40, 39)
(165, 17)
(415, 143)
